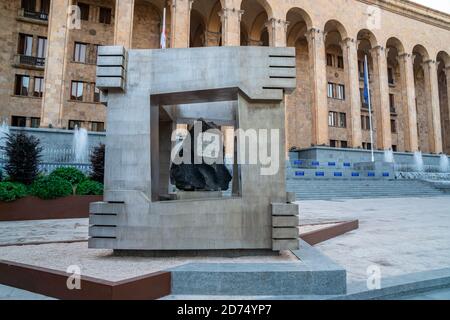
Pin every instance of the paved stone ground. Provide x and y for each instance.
(9, 293)
(401, 236)
(23, 232)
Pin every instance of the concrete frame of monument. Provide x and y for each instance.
(147, 93)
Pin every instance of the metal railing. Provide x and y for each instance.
(35, 15)
(31, 61)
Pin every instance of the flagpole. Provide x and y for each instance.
(369, 102)
(163, 33)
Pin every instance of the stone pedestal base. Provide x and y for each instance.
(198, 195)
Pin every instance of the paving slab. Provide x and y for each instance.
(400, 236)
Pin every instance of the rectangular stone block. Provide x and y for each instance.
(282, 62)
(291, 197)
(278, 245)
(103, 220)
(106, 207)
(110, 61)
(282, 72)
(111, 51)
(102, 232)
(285, 209)
(285, 233)
(110, 72)
(110, 83)
(281, 221)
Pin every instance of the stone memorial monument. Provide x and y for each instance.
(148, 94)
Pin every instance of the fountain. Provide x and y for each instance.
(80, 145)
(389, 156)
(418, 161)
(4, 131)
(443, 164)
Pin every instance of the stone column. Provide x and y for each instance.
(318, 73)
(447, 74)
(433, 106)
(277, 29)
(380, 101)
(123, 29)
(350, 52)
(406, 62)
(231, 26)
(55, 65)
(180, 23)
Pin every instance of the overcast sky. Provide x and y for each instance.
(442, 5)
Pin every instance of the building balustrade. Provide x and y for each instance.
(22, 60)
(39, 16)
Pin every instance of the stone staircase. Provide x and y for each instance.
(324, 189)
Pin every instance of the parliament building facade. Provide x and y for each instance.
(47, 62)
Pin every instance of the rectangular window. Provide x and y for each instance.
(25, 45)
(342, 120)
(340, 92)
(361, 69)
(42, 47)
(392, 103)
(330, 59)
(84, 11)
(332, 119)
(105, 15)
(38, 87)
(340, 62)
(367, 145)
(393, 126)
(18, 121)
(336, 91)
(29, 5)
(45, 6)
(96, 94)
(333, 143)
(98, 126)
(394, 148)
(22, 85)
(74, 123)
(344, 144)
(330, 90)
(365, 123)
(391, 76)
(76, 92)
(79, 54)
(35, 122)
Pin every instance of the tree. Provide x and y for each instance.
(23, 153)
(98, 163)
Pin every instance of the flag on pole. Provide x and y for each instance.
(163, 33)
(366, 83)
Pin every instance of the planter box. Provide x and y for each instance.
(32, 208)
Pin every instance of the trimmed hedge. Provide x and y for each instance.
(51, 187)
(90, 188)
(11, 191)
(70, 174)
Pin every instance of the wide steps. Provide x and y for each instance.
(317, 189)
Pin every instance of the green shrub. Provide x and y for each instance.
(70, 174)
(23, 153)
(51, 187)
(10, 191)
(90, 188)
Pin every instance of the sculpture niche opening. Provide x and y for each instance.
(201, 160)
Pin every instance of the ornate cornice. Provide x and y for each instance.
(414, 11)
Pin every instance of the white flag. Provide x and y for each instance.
(163, 33)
